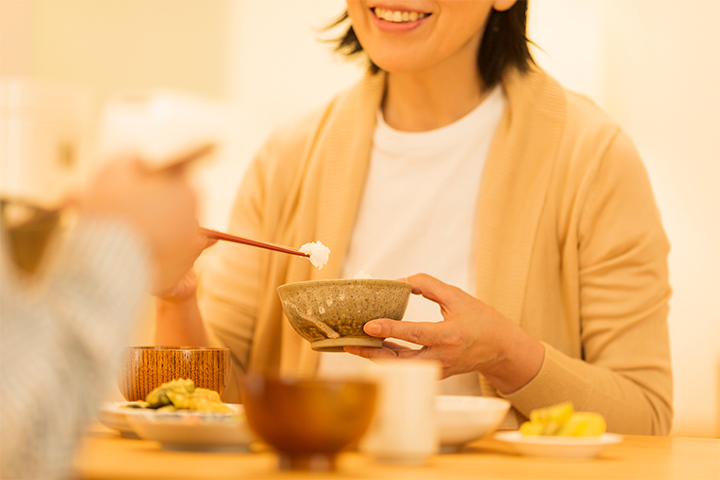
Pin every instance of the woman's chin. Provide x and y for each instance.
(401, 64)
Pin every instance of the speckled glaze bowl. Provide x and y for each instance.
(144, 368)
(330, 314)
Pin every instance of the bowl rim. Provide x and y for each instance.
(347, 281)
(304, 383)
(454, 403)
(178, 348)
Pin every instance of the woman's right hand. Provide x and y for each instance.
(186, 286)
(177, 315)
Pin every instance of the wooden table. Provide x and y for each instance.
(105, 455)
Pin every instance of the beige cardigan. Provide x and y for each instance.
(570, 246)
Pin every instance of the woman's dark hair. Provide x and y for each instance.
(504, 43)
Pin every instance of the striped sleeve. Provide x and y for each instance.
(60, 340)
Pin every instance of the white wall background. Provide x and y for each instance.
(654, 65)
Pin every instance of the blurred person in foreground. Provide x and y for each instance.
(526, 208)
(62, 329)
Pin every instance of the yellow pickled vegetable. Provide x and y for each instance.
(181, 394)
(552, 418)
(584, 424)
(530, 428)
(164, 394)
(563, 420)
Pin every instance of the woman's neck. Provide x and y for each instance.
(433, 98)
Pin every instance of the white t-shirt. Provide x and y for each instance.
(417, 215)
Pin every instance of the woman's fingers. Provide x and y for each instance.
(394, 346)
(387, 352)
(372, 353)
(181, 290)
(420, 333)
(432, 288)
(401, 353)
(209, 242)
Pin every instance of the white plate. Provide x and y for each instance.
(114, 415)
(462, 419)
(571, 448)
(185, 430)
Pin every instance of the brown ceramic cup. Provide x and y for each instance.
(143, 369)
(308, 421)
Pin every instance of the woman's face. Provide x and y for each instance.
(415, 35)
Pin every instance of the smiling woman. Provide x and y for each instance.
(445, 45)
(521, 214)
(504, 42)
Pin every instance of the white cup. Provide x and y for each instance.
(403, 430)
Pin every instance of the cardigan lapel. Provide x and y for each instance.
(341, 152)
(345, 158)
(514, 188)
(512, 195)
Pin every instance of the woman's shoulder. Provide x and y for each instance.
(587, 116)
(295, 146)
(589, 128)
(584, 124)
(583, 137)
(538, 91)
(299, 133)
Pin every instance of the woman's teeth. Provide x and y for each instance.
(398, 16)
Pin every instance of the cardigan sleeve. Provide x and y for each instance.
(233, 283)
(229, 280)
(625, 369)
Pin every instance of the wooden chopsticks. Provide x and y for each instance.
(246, 241)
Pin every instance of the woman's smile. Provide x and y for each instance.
(398, 16)
(397, 19)
(412, 36)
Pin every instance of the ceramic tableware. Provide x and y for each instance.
(309, 422)
(145, 368)
(330, 314)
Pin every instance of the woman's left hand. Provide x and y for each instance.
(473, 337)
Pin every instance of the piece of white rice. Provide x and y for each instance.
(319, 253)
(362, 274)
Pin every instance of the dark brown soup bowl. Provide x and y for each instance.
(308, 421)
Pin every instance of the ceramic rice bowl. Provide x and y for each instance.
(330, 314)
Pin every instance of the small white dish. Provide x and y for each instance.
(568, 448)
(114, 415)
(189, 430)
(462, 419)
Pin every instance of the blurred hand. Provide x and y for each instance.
(473, 337)
(186, 286)
(162, 207)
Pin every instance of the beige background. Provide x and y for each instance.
(654, 65)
